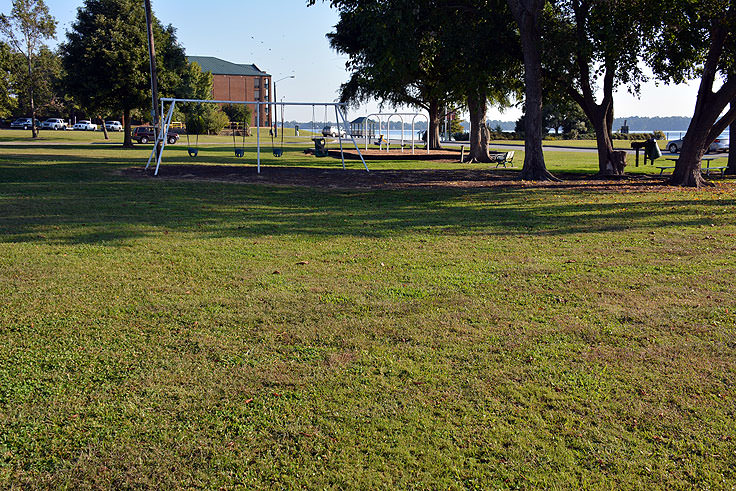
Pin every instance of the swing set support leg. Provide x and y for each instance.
(342, 114)
(164, 132)
(339, 136)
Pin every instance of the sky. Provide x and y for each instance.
(285, 37)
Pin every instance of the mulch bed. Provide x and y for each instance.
(388, 179)
(444, 155)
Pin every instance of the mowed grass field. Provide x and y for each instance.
(180, 334)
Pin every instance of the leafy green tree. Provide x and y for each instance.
(566, 115)
(528, 14)
(44, 83)
(394, 48)
(194, 83)
(106, 58)
(26, 28)
(7, 103)
(238, 113)
(205, 119)
(698, 40)
(595, 46)
(482, 51)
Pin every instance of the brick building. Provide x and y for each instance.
(234, 82)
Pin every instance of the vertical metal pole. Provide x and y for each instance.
(427, 118)
(258, 137)
(339, 137)
(402, 133)
(275, 127)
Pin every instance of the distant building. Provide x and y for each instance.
(234, 82)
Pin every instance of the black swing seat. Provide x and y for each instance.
(192, 151)
(278, 152)
(239, 152)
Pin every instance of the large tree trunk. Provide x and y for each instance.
(433, 133)
(705, 125)
(731, 169)
(127, 140)
(527, 13)
(602, 120)
(694, 145)
(605, 151)
(477, 104)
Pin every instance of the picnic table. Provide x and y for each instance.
(705, 171)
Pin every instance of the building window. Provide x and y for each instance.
(257, 83)
(265, 82)
(258, 94)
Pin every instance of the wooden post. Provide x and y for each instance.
(154, 73)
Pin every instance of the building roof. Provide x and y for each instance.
(361, 120)
(217, 66)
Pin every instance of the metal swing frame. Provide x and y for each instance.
(380, 116)
(340, 114)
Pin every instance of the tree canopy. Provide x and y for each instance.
(698, 40)
(26, 29)
(106, 58)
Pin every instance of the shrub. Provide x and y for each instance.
(461, 136)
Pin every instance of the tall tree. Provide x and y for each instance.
(27, 28)
(528, 14)
(561, 113)
(482, 51)
(698, 39)
(43, 83)
(394, 47)
(595, 46)
(106, 58)
(7, 102)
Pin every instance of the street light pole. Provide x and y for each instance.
(276, 100)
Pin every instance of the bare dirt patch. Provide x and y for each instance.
(374, 154)
(395, 179)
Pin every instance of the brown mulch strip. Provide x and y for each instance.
(390, 179)
(444, 155)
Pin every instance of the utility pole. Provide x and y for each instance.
(154, 74)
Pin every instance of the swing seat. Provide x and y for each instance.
(239, 152)
(320, 147)
(277, 152)
(192, 151)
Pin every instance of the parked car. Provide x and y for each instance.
(24, 123)
(333, 131)
(144, 134)
(54, 124)
(720, 144)
(113, 126)
(85, 125)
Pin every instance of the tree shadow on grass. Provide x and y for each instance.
(114, 211)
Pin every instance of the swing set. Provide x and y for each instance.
(193, 151)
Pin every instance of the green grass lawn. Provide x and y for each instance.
(618, 144)
(182, 334)
(115, 137)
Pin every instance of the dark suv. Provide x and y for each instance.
(144, 134)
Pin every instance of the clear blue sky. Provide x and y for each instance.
(285, 37)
